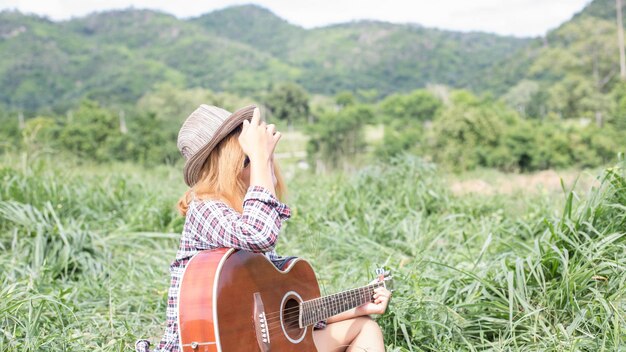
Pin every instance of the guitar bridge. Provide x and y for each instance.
(261, 327)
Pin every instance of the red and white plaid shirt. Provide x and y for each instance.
(212, 224)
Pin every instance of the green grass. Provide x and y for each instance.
(84, 255)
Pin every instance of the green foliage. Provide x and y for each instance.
(114, 57)
(288, 102)
(470, 131)
(604, 9)
(525, 97)
(477, 132)
(619, 113)
(472, 275)
(413, 108)
(93, 133)
(338, 136)
(92, 247)
(89, 130)
(345, 98)
(262, 29)
(575, 97)
(147, 142)
(130, 62)
(9, 133)
(403, 116)
(71, 246)
(395, 58)
(572, 71)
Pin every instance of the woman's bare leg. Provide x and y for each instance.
(352, 335)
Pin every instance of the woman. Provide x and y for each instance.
(233, 201)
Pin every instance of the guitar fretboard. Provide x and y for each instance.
(325, 307)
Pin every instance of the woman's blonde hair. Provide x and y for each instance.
(221, 176)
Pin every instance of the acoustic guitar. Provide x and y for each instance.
(233, 301)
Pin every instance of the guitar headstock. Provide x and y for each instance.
(384, 276)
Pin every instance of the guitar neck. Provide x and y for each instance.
(325, 307)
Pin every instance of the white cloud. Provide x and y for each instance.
(515, 17)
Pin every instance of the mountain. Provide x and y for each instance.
(572, 71)
(603, 9)
(42, 63)
(200, 57)
(366, 54)
(255, 26)
(390, 57)
(117, 56)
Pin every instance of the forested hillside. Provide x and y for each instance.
(573, 72)
(116, 56)
(464, 100)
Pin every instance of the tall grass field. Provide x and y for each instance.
(85, 250)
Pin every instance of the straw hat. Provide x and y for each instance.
(202, 131)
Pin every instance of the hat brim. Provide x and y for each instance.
(193, 166)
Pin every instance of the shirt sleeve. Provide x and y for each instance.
(320, 325)
(255, 230)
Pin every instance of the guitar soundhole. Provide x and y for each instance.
(290, 319)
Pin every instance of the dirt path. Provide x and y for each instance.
(501, 183)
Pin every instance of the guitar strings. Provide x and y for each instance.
(274, 320)
(274, 323)
(275, 314)
(350, 295)
(290, 313)
(287, 313)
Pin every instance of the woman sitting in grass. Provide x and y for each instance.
(233, 202)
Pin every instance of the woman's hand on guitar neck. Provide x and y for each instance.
(379, 306)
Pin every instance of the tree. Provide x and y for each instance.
(469, 133)
(619, 107)
(288, 102)
(523, 97)
(414, 108)
(620, 39)
(149, 141)
(345, 98)
(403, 116)
(338, 136)
(89, 131)
(579, 67)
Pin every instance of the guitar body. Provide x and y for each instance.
(228, 299)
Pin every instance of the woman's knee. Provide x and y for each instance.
(369, 337)
(368, 324)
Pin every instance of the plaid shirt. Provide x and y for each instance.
(211, 224)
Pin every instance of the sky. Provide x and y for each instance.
(506, 17)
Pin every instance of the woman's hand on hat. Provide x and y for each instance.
(257, 139)
(271, 129)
